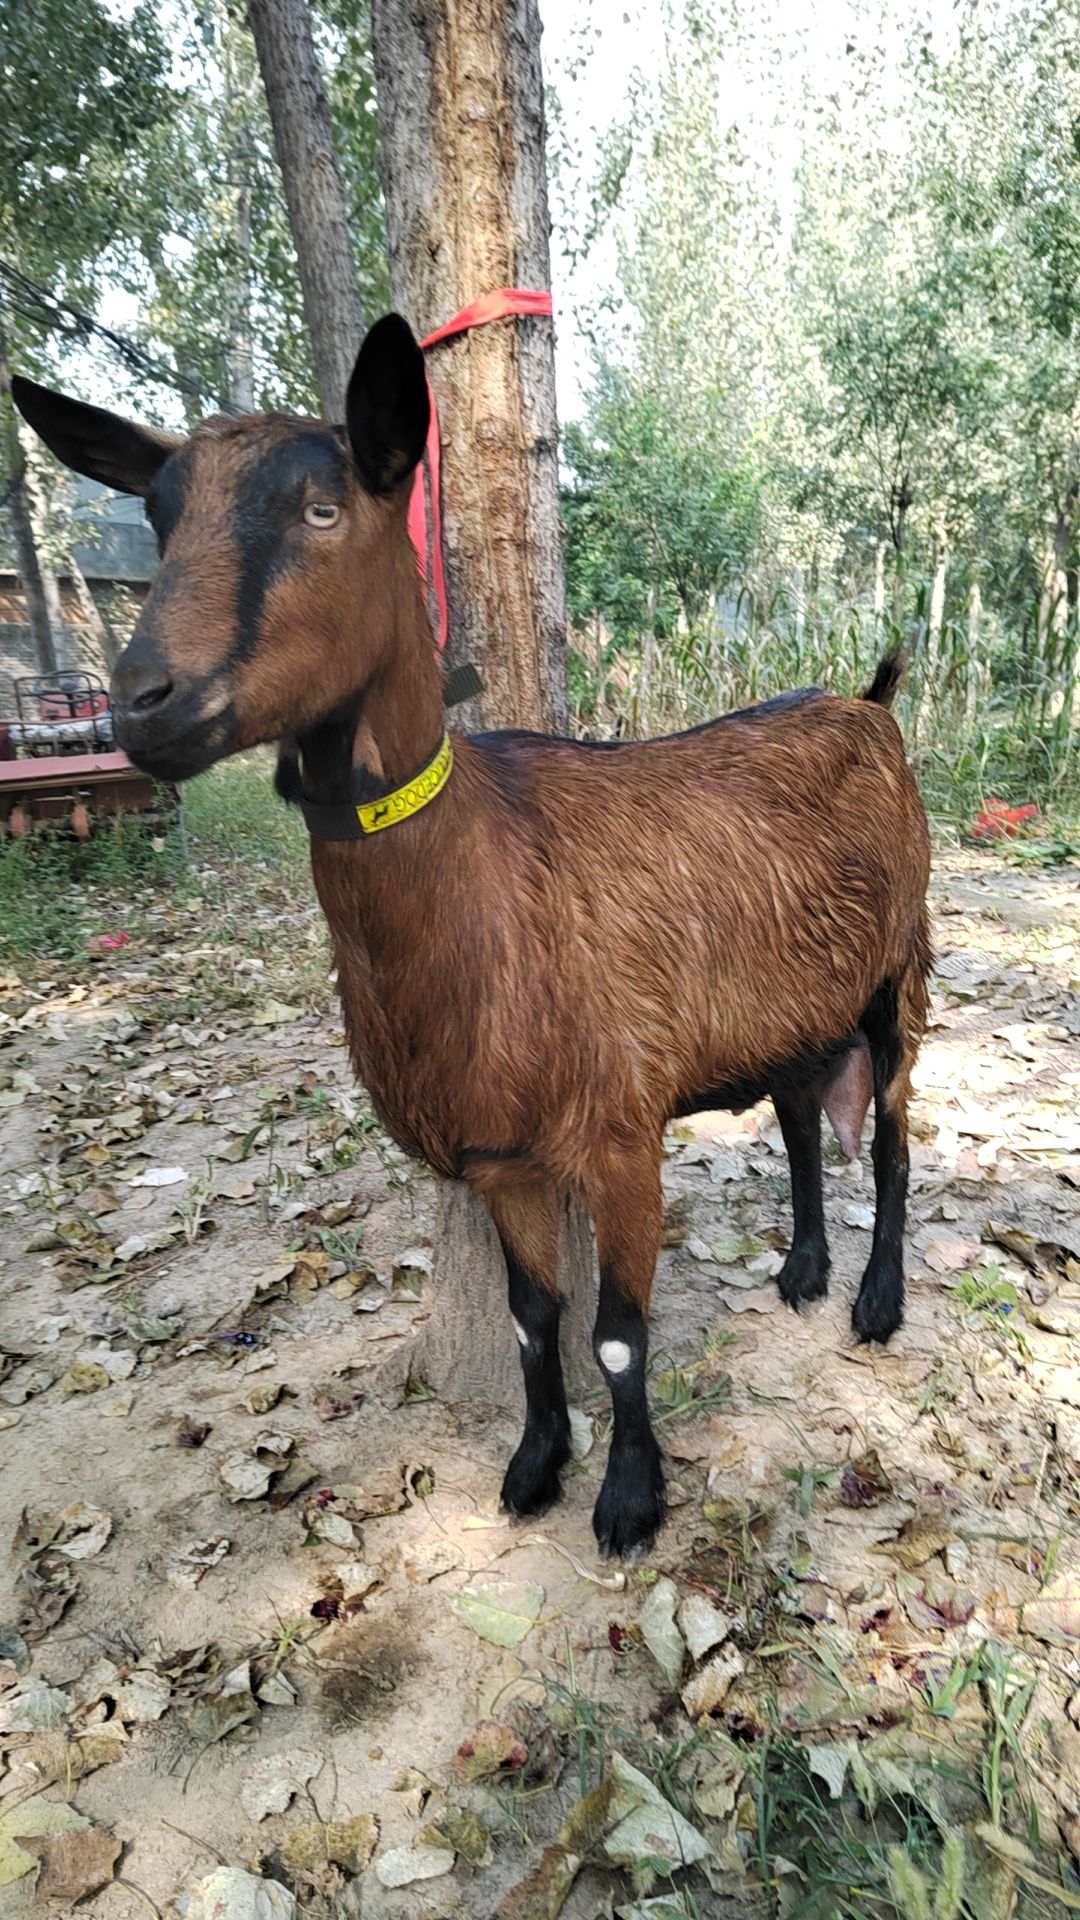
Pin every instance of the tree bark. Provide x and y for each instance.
(1053, 598)
(879, 586)
(98, 628)
(239, 353)
(314, 194)
(38, 584)
(974, 687)
(934, 623)
(461, 115)
(647, 668)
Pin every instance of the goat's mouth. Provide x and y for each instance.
(178, 744)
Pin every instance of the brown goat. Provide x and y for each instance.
(559, 949)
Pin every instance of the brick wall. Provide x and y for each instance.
(18, 654)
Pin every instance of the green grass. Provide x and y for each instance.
(56, 894)
(234, 844)
(233, 818)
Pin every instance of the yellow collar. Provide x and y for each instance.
(374, 815)
(353, 821)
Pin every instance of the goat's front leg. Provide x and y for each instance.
(805, 1273)
(527, 1219)
(625, 1200)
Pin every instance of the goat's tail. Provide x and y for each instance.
(890, 672)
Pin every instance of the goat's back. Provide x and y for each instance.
(699, 907)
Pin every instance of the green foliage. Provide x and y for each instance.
(657, 523)
(844, 409)
(80, 92)
(56, 893)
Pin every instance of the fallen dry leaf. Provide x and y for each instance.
(864, 1481)
(500, 1612)
(34, 1707)
(543, 1894)
(401, 1866)
(29, 1820)
(231, 1894)
(271, 1783)
(660, 1632)
(492, 1748)
(348, 1844)
(648, 1828)
(709, 1688)
(1055, 1615)
(192, 1433)
(72, 1864)
(186, 1567)
(703, 1626)
(464, 1833)
(917, 1541)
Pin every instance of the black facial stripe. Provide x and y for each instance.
(269, 496)
(165, 499)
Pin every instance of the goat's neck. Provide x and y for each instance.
(391, 727)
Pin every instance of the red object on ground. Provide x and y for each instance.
(109, 942)
(996, 820)
(508, 303)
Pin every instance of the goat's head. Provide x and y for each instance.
(283, 550)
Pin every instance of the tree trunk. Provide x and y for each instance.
(798, 589)
(239, 355)
(974, 687)
(318, 217)
(934, 624)
(97, 627)
(1053, 597)
(647, 669)
(879, 586)
(461, 115)
(38, 584)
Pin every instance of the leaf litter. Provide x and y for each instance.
(885, 1583)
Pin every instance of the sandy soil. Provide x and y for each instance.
(134, 1300)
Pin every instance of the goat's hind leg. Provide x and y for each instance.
(527, 1219)
(625, 1201)
(893, 1024)
(804, 1275)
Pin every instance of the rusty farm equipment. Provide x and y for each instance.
(60, 769)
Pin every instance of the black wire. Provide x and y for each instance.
(33, 302)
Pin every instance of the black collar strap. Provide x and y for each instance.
(461, 683)
(357, 820)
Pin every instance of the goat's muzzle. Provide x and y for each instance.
(171, 729)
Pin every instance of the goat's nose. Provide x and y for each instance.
(151, 691)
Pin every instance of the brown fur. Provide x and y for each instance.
(569, 945)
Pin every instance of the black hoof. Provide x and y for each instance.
(630, 1511)
(804, 1275)
(879, 1309)
(532, 1482)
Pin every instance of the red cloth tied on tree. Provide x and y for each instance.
(425, 505)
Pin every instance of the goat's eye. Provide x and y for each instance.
(322, 513)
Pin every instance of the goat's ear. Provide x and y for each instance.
(92, 440)
(387, 408)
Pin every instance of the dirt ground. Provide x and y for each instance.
(248, 1568)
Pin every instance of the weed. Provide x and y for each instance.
(342, 1243)
(1006, 1693)
(942, 1388)
(943, 1696)
(193, 1210)
(989, 1300)
(808, 1481)
(680, 1390)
